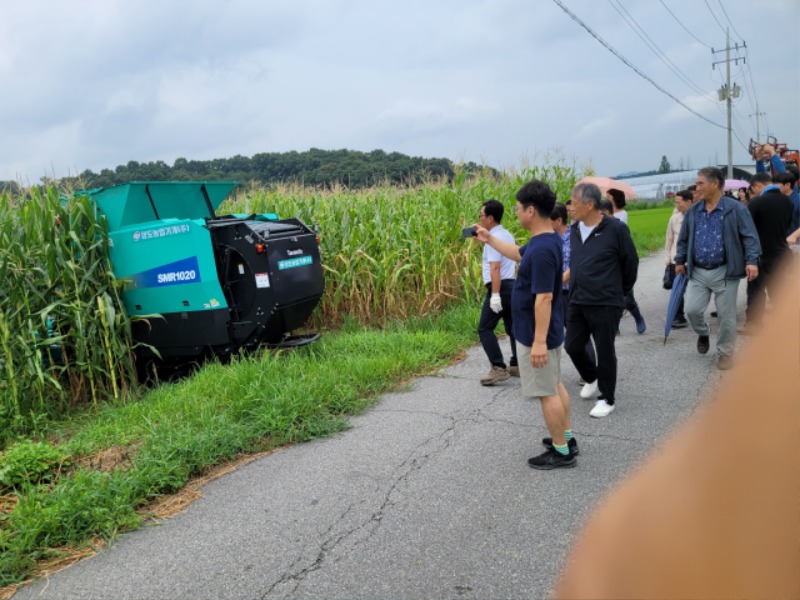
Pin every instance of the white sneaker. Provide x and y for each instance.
(601, 409)
(589, 390)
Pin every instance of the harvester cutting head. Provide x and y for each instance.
(208, 283)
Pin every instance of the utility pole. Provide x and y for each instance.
(726, 92)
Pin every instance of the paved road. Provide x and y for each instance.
(427, 496)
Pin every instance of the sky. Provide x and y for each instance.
(91, 84)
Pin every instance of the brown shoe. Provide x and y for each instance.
(513, 370)
(495, 375)
(725, 362)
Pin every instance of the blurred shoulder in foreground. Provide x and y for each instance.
(714, 512)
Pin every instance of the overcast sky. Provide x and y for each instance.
(93, 84)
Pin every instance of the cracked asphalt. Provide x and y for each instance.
(428, 495)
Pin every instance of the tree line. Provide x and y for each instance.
(314, 167)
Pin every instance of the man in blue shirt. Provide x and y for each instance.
(538, 319)
(717, 246)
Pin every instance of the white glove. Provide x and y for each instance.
(495, 303)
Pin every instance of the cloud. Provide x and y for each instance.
(704, 105)
(605, 124)
(100, 83)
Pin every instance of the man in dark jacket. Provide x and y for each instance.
(717, 246)
(603, 268)
(771, 210)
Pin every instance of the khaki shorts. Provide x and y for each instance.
(543, 381)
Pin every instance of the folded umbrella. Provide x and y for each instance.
(674, 301)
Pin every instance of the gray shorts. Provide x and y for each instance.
(543, 381)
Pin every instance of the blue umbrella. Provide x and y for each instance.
(674, 300)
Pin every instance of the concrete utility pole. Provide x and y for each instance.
(726, 92)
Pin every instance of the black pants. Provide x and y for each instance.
(631, 306)
(601, 324)
(490, 319)
(757, 289)
(589, 345)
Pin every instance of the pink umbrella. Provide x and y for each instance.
(606, 183)
(735, 184)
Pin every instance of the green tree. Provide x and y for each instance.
(664, 167)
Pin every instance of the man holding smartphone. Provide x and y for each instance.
(539, 319)
(498, 278)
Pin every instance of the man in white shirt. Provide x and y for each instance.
(498, 277)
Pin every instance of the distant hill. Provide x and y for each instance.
(315, 167)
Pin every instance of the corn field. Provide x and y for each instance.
(64, 338)
(388, 253)
(391, 252)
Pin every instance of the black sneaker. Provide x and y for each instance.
(552, 459)
(572, 445)
(703, 344)
(679, 323)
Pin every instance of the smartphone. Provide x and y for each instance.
(469, 232)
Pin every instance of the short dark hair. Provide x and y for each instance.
(764, 178)
(588, 192)
(494, 208)
(795, 171)
(559, 212)
(606, 205)
(712, 174)
(785, 177)
(686, 195)
(692, 188)
(617, 197)
(537, 194)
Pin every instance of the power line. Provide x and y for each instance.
(750, 90)
(749, 72)
(736, 115)
(684, 26)
(715, 16)
(654, 47)
(628, 63)
(725, 12)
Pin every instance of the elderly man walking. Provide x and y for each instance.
(603, 269)
(717, 246)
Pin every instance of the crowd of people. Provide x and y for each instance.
(574, 281)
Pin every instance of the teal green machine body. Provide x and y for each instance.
(208, 283)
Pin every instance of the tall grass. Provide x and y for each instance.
(63, 335)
